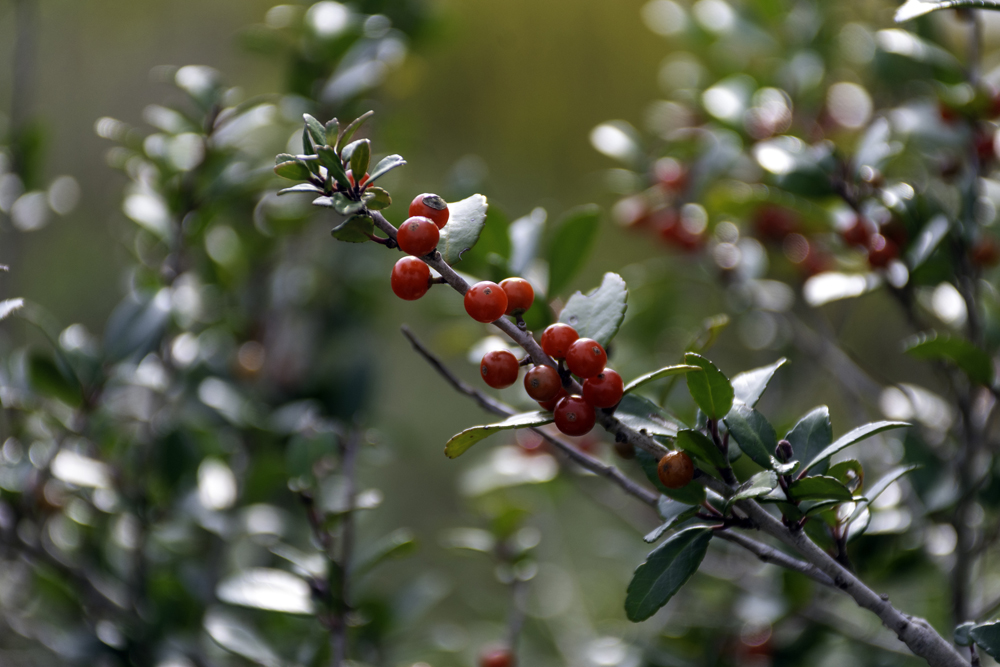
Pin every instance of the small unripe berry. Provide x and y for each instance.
(485, 302)
(431, 206)
(574, 416)
(497, 657)
(410, 278)
(542, 383)
(881, 251)
(604, 390)
(586, 358)
(556, 340)
(418, 236)
(551, 404)
(520, 295)
(675, 470)
(499, 369)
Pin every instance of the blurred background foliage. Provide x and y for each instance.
(224, 356)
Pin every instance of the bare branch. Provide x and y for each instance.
(769, 554)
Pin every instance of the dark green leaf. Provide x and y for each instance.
(821, 506)
(987, 636)
(641, 414)
(301, 187)
(749, 386)
(858, 434)
(665, 570)
(397, 544)
(351, 128)
(753, 433)
(293, 170)
(354, 230)
(668, 371)
(332, 131)
(961, 634)
(329, 159)
(316, 130)
(377, 199)
(976, 363)
(820, 488)
(760, 484)
(460, 443)
(701, 446)
(850, 473)
(811, 435)
(465, 223)
(50, 379)
(360, 158)
(386, 165)
(673, 513)
(692, 494)
(598, 314)
(710, 389)
(570, 245)
(340, 203)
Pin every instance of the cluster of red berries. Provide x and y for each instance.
(496, 657)
(584, 357)
(418, 236)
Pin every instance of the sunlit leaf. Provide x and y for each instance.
(857, 435)
(644, 416)
(466, 219)
(460, 443)
(360, 158)
(915, 8)
(811, 435)
(750, 385)
(668, 371)
(665, 570)
(241, 639)
(301, 187)
(377, 199)
(267, 588)
(760, 484)
(8, 306)
(599, 313)
(710, 388)
(386, 165)
(351, 128)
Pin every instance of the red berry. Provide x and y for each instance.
(574, 416)
(881, 251)
(986, 252)
(542, 383)
(774, 223)
(983, 140)
(675, 470)
(586, 358)
(550, 405)
(499, 369)
(556, 340)
(520, 295)
(604, 390)
(497, 657)
(431, 206)
(418, 236)
(485, 302)
(410, 278)
(671, 229)
(350, 177)
(858, 233)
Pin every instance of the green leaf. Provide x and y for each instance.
(293, 170)
(915, 8)
(821, 506)
(857, 435)
(749, 386)
(360, 158)
(692, 494)
(569, 248)
(710, 389)
(641, 414)
(976, 363)
(266, 588)
(754, 434)
(672, 512)
(136, 325)
(760, 484)
(316, 130)
(301, 187)
(466, 219)
(354, 230)
(332, 131)
(701, 446)
(377, 199)
(665, 570)
(819, 488)
(351, 128)
(384, 166)
(329, 159)
(460, 443)
(811, 435)
(397, 544)
(668, 371)
(240, 639)
(961, 633)
(987, 636)
(598, 314)
(842, 472)
(340, 203)
(54, 380)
